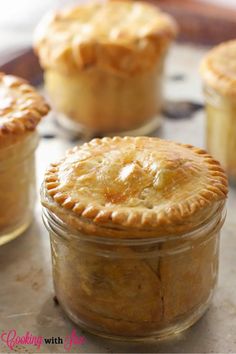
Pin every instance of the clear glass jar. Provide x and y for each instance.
(221, 129)
(103, 65)
(95, 102)
(17, 186)
(134, 289)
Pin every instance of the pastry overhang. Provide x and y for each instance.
(122, 36)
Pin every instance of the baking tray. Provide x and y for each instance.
(26, 292)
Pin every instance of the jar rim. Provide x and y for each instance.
(53, 223)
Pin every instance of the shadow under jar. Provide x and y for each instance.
(219, 78)
(21, 108)
(103, 66)
(137, 265)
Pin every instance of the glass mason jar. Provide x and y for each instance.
(96, 102)
(103, 65)
(134, 288)
(221, 129)
(17, 186)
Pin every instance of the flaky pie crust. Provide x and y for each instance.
(21, 108)
(111, 186)
(121, 36)
(218, 68)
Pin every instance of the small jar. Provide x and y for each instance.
(219, 78)
(134, 265)
(103, 65)
(134, 289)
(21, 108)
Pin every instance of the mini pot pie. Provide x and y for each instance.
(134, 225)
(103, 64)
(21, 109)
(219, 77)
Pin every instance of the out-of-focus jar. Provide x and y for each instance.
(134, 260)
(21, 108)
(219, 77)
(103, 65)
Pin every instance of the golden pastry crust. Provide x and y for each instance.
(110, 186)
(122, 36)
(21, 108)
(218, 68)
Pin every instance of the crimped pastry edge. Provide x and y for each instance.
(25, 119)
(223, 84)
(181, 217)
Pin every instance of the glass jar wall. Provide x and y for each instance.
(95, 102)
(17, 186)
(221, 130)
(134, 289)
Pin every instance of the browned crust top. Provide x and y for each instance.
(218, 68)
(21, 108)
(121, 36)
(135, 183)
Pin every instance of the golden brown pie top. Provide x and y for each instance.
(219, 68)
(119, 35)
(138, 183)
(21, 108)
